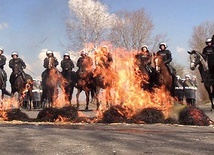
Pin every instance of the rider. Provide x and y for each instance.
(105, 58)
(144, 58)
(4, 74)
(49, 54)
(208, 51)
(16, 61)
(66, 64)
(84, 62)
(167, 57)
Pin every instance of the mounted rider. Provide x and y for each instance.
(208, 52)
(103, 58)
(2, 71)
(17, 62)
(46, 64)
(144, 59)
(66, 64)
(84, 63)
(167, 57)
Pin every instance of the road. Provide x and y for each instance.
(105, 139)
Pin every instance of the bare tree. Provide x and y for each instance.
(200, 34)
(88, 23)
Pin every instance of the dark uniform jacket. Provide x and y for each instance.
(2, 61)
(46, 62)
(17, 62)
(166, 55)
(67, 64)
(85, 63)
(208, 51)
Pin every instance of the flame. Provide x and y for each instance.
(126, 90)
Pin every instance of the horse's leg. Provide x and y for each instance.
(71, 93)
(108, 97)
(77, 97)
(87, 93)
(97, 97)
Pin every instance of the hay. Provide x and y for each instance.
(55, 114)
(149, 115)
(115, 114)
(14, 114)
(193, 116)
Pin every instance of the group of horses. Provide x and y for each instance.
(91, 82)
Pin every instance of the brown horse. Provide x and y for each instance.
(50, 82)
(84, 82)
(163, 76)
(103, 80)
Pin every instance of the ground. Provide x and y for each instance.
(105, 139)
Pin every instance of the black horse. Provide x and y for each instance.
(19, 84)
(4, 91)
(197, 59)
(50, 82)
(69, 84)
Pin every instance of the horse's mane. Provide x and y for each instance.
(202, 60)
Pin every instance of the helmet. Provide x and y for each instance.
(178, 77)
(1, 49)
(209, 40)
(144, 46)
(83, 52)
(49, 52)
(104, 48)
(14, 53)
(162, 44)
(194, 77)
(187, 76)
(66, 54)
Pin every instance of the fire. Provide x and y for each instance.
(126, 90)
(59, 94)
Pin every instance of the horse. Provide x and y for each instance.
(197, 59)
(70, 80)
(84, 82)
(50, 83)
(162, 75)
(27, 94)
(20, 82)
(103, 80)
(4, 91)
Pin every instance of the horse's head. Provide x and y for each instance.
(194, 59)
(158, 61)
(51, 62)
